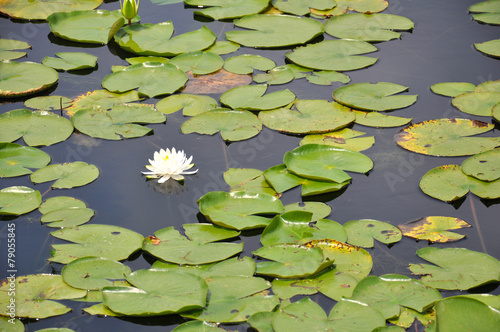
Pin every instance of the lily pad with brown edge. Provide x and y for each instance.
(233, 125)
(379, 120)
(309, 117)
(35, 295)
(71, 61)
(190, 104)
(36, 128)
(218, 82)
(16, 160)
(447, 137)
(198, 62)
(270, 31)
(8, 47)
(48, 103)
(199, 246)
(248, 179)
(302, 7)
(101, 99)
(362, 232)
(327, 77)
(362, 6)
(246, 63)
(253, 97)
(21, 79)
(222, 10)
(452, 89)
(449, 183)
(67, 175)
(434, 229)
(484, 166)
(456, 268)
(41, 9)
(18, 200)
(345, 138)
(374, 97)
(491, 47)
(275, 76)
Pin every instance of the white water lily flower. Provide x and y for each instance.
(169, 164)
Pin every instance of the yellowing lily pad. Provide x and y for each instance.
(218, 82)
(101, 99)
(434, 229)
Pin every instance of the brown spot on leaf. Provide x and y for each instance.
(154, 240)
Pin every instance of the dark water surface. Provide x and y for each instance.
(439, 49)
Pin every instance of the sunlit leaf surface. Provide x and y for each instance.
(40, 9)
(19, 200)
(362, 232)
(25, 78)
(15, 159)
(71, 61)
(7, 47)
(434, 229)
(222, 9)
(345, 138)
(67, 175)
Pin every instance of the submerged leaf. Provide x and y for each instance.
(218, 82)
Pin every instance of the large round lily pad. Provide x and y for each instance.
(190, 104)
(93, 273)
(459, 313)
(251, 97)
(274, 30)
(41, 9)
(15, 159)
(223, 9)
(25, 78)
(198, 62)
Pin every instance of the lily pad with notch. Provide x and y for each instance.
(345, 138)
(486, 11)
(302, 7)
(277, 75)
(484, 166)
(48, 103)
(491, 47)
(452, 89)
(198, 62)
(251, 97)
(190, 104)
(434, 229)
(101, 99)
(71, 61)
(248, 179)
(379, 120)
(16, 160)
(8, 47)
(223, 10)
(67, 175)
(327, 77)
(246, 63)
(63, 211)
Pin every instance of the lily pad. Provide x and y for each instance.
(196, 325)
(235, 266)
(362, 232)
(223, 47)
(310, 116)
(434, 229)
(479, 103)
(239, 209)
(374, 97)
(40, 9)
(491, 47)
(367, 27)
(35, 295)
(122, 121)
(112, 242)
(19, 200)
(93, 273)
(487, 12)
(68, 175)
(218, 82)
(252, 97)
(59, 203)
(156, 292)
(222, 9)
(319, 210)
(326, 163)
(277, 75)
(88, 26)
(155, 39)
(21, 79)
(339, 55)
(361, 6)
(484, 166)
(327, 77)
(379, 120)
(199, 247)
(11, 324)
(456, 268)
(7, 47)
(268, 31)
(67, 217)
(460, 313)
(15, 159)
(198, 62)
(246, 63)
(152, 79)
(302, 7)
(48, 103)
(452, 89)
(190, 104)
(447, 137)
(71, 61)
(248, 179)
(345, 138)
(390, 293)
(101, 99)
(234, 125)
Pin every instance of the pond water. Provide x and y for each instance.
(439, 49)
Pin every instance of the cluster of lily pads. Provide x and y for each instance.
(487, 12)
(198, 273)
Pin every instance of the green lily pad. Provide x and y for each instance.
(19, 200)
(434, 229)
(251, 97)
(239, 209)
(59, 203)
(235, 266)
(379, 120)
(199, 247)
(196, 325)
(48, 103)
(112, 242)
(15, 159)
(345, 138)
(71, 61)
(452, 89)
(246, 63)
(20, 79)
(35, 294)
(346, 315)
(152, 79)
(233, 125)
(479, 103)
(216, 83)
(248, 179)
(491, 47)
(484, 166)
(277, 75)
(339, 55)
(155, 39)
(40, 9)
(8, 45)
(223, 47)
(198, 62)
(362, 232)
(447, 137)
(456, 268)
(122, 121)
(101, 99)
(141, 59)
(407, 317)
(367, 27)
(222, 9)
(156, 292)
(302, 7)
(290, 261)
(68, 175)
(326, 163)
(374, 97)
(361, 6)
(93, 273)
(310, 116)
(489, 12)
(89, 26)
(190, 104)
(496, 112)
(390, 292)
(11, 324)
(319, 210)
(327, 77)
(293, 226)
(464, 314)
(269, 31)
(36, 128)
(68, 217)
(449, 183)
